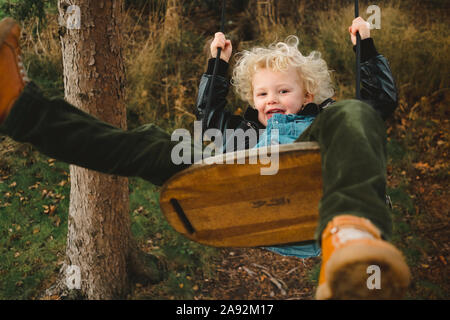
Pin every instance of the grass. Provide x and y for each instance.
(413, 152)
(430, 290)
(314, 273)
(32, 239)
(188, 261)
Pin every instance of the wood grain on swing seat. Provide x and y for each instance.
(234, 205)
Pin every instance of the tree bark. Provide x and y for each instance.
(102, 258)
(98, 240)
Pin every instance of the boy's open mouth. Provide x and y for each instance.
(270, 113)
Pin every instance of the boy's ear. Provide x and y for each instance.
(309, 97)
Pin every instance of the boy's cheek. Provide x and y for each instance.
(262, 118)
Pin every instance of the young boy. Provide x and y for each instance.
(293, 94)
(353, 216)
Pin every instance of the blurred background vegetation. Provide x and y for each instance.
(164, 43)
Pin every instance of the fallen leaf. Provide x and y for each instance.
(421, 166)
(34, 186)
(52, 209)
(62, 183)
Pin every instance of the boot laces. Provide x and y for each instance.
(346, 234)
(22, 70)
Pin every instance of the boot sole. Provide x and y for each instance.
(349, 278)
(5, 28)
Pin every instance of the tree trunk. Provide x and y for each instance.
(101, 255)
(98, 240)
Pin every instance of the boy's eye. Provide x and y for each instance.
(284, 91)
(261, 94)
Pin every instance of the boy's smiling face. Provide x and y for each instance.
(278, 92)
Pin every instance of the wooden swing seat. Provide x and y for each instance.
(234, 205)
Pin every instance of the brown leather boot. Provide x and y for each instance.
(13, 76)
(358, 264)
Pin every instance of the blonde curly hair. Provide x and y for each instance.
(313, 70)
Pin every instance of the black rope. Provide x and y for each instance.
(216, 67)
(358, 56)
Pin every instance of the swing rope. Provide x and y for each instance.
(358, 56)
(216, 67)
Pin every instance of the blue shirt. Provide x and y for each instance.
(290, 127)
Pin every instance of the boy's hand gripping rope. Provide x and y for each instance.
(216, 64)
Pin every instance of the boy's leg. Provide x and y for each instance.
(352, 139)
(353, 214)
(66, 133)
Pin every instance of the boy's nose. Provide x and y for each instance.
(272, 99)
